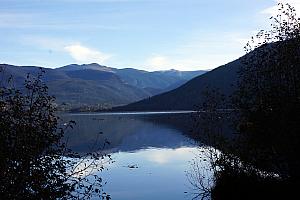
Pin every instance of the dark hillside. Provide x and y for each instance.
(188, 95)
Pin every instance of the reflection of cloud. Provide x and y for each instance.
(166, 156)
(84, 167)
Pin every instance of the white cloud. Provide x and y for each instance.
(82, 54)
(158, 62)
(163, 62)
(272, 11)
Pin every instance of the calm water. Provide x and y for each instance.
(155, 143)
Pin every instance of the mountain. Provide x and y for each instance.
(96, 85)
(189, 95)
(92, 66)
(157, 79)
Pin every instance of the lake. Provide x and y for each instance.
(152, 152)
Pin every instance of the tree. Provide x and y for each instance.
(34, 162)
(209, 124)
(269, 96)
(261, 162)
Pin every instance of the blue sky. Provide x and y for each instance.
(143, 34)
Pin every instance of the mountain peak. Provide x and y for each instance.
(91, 66)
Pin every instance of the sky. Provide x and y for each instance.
(142, 34)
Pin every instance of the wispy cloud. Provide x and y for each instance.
(30, 21)
(200, 51)
(46, 43)
(165, 62)
(82, 54)
(14, 19)
(78, 52)
(157, 62)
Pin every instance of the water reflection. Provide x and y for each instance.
(160, 174)
(126, 132)
(151, 152)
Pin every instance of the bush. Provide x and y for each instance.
(34, 161)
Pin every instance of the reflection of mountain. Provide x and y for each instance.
(192, 124)
(125, 133)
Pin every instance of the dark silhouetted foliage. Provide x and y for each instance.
(269, 97)
(261, 161)
(34, 162)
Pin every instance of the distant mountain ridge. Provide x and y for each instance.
(159, 80)
(189, 95)
(93, 84)
(92, 66)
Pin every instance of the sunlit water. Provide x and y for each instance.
(152, 152)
